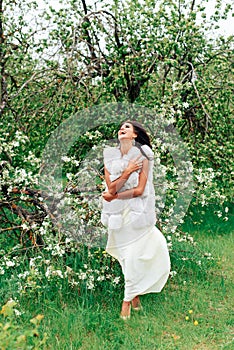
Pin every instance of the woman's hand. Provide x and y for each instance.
(116, 185)
(134, 164)
(108, 196)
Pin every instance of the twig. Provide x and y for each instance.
(208, 118)
(9, 228)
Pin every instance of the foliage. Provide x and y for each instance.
(13, 336)
(158, 57)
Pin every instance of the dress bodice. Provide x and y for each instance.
(141, 209)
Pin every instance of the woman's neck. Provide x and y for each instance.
(125, 146)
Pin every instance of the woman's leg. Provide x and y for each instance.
(136, 303)
(126, 307)
(126, 310)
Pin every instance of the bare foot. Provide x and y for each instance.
(136, 304)
(126, 310)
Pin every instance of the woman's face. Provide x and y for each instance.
(126, 132)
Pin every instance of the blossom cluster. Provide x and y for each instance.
(65, 221)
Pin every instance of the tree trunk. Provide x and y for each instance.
(3, 92)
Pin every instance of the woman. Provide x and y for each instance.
(129, 213)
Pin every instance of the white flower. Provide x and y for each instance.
(25, 226)
(42, 231)
(65, 159)
(23, 275)
(69, 176)
(116, 280)
(57, 273)
(17, 312)
(12, 301)
(173, 273)
(90, 284)
(76, 162)
(169, 245)
(15, 143)
(207, 254)
(68, 240)
(74, 283)
(82, 276)
(101, 278)
(176, 86)
(10, 263)
(185, 104)
(69, 270)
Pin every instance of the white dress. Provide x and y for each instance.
(133, 239)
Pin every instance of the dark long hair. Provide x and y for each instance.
(142, 136)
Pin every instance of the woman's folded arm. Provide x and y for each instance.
(139, 189)
(116, 185)
(130, 193)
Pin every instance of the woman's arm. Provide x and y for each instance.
(116, 185)
(133, 192)
(137, 191)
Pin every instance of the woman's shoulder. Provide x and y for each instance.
(111, 152)
(148, 151)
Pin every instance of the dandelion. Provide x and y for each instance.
(186, 318)
(190, 312)
(39, 317)
(195, 323)
(175, 337)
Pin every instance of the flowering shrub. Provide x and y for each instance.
(71, 266)
(185, 78)
(42, 256)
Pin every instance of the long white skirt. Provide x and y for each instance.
(145, 262)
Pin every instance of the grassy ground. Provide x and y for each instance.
(93, 322)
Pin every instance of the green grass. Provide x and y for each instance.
(93, 322)
(75, 321)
